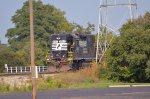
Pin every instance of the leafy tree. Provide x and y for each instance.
(47, 20)
(129, 56)
(11, 58)
(80, 29)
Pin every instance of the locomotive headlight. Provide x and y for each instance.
(47, 59)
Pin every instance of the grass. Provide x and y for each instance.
(6, 88)
(84, 78)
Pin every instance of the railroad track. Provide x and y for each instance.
(29, 73)
(9, 74)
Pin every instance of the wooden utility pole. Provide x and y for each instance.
(32, 50)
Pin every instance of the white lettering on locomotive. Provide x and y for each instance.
(59, 45)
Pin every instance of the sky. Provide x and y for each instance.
(78, 11)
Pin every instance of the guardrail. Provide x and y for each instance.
(24, 69)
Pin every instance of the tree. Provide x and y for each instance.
(80, 29)
(11, 58)
(129, 55)
(47, 20)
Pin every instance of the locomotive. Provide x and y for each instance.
(70, 51)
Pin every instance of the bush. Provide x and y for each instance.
(129, 55)
(4, 87)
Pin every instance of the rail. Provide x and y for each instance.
(24, 69)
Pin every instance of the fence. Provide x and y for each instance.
(26, 69)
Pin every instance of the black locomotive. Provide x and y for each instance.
(70, 50)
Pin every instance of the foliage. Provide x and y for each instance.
(47, 20)
(11, 58)
(80, 29)
(4, 87)
(7, 88)
(129, 55)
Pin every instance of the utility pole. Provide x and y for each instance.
(32, 50)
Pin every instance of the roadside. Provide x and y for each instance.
(82, 79)
(88, 93)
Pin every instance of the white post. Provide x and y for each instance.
(43, 68)
(6, 66)
(16, 70)
(11, 69)
(25, 70)
(36, 71)
(21, 69)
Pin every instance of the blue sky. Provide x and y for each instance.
(79, 11)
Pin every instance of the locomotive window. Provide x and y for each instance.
(82, 43)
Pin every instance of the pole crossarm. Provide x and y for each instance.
(118, 5)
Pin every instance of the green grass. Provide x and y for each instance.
(65, 80)
(50, 83)
(6, 88)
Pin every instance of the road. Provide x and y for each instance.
(95, 93)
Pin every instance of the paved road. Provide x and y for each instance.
(102, 93)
